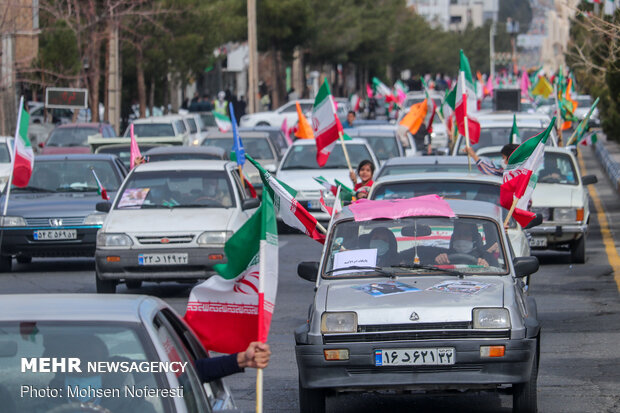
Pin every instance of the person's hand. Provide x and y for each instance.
(353, 176)
(255, 356)
(472, 153)
(483, 262)
(442, 259)
(139, 160)
(493, 248)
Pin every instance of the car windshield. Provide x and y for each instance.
(468, 245)
(500, 137)
(151, 129)
(88, 343)
(413, 100)
(177, 189)
(124, 152)
(304, 157)
(74, 175)
(423, 168)
(384, 147)
(67, 137)
(557, 168)
(181, 156)
(257, 148)
(583, 101)
(192, 125)
(208, 119)
(4, 153)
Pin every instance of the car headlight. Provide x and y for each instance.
(8, 221)
(217, 238)
(105, 239)
(491, 318)
(94, 219)
(195, 142)
(544, 212)
(343, 322)
(3, 181)
(564, 214)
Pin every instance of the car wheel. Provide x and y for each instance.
(263, 124)
(578, 250)
(311, 400)
(524, 397)
(23, 259)
(6, 263)
(133, 284)
(104, 286)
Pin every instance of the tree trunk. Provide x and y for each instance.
(152, 96)
(94, 75)
(106, 80)
(141, 82)
(279, 93)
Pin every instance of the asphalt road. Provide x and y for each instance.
(578, 305)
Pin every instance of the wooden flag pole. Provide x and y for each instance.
(321, 227)
(259, 390)
(512, 209)
(344, 149)
(559, 114)
(467, 143)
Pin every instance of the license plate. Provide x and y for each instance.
(162, 259)
(414, 357)
(538, 242)
(54, 234)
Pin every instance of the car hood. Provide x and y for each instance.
(61, 204)
(57, 150)
(557, 195)
(431, 306)
(169, 220)
(303, 180)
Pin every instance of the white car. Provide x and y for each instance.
(6, 154)
(299, 168)
(287, 111)
(195, 127)
(583, 106)
(451, 185)
(496, 128)
(169, 221)
(561, 198)
(160, 126)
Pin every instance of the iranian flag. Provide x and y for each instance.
(432, 108)
(325, 183)
(514, 132)
(325, 123)
(223, 122)
(230, 310)
(520, 175)
(292, 213)
(23, 161)
(100, 189)
(466, 100)
(337, 207)
(381, 90)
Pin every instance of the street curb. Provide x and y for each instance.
(611, 167)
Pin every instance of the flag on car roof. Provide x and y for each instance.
(237, 144)
(134, 149)
(100, 189)
(521, 175)
(415, 117)
(234, 308)
(292, 213)
(304, 130)
(327, 128)
(223, 122)
(514, 132)
(466, 100)
(23, 161)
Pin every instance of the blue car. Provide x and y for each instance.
(55, 215)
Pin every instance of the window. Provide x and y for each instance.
(304, 157)
(384, 147)
(151, 129)
(557, 168)
(74, 176)
(192, 125)
(5, 157)
(70, 137)
(180, 125)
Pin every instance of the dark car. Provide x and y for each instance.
(55, 216)
(426, 164)
(73, 137)
(182, 153)
(123, 151)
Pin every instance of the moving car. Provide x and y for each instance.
(111, 330)
(73, 137)
(275, 134)
(387, 317)
(299, 168)
(170, 222)
(425, 164)
(160, 126)
(439, 135)
(55, 215)
(457, 185)
(384, 143)
(195, 127)
(287, 111)
(182, 153)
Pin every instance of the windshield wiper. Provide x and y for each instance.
(357, 267)
(79, 189)
(431, 268)
(33, 189)
(192, 206)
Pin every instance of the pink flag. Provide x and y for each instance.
(286, 132)
(134, 151)
(490, 85)
(525, 85)
(369, 91)
(429, 205)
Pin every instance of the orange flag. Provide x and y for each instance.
(304, 130)
(414, 118)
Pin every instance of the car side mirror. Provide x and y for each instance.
(308, 270)
(103, 206)
(538, 219)
(589, 179)
(250, 203)
(525, 266)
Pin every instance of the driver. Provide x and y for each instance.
(383, 240)
(550, 173)
(466, 240)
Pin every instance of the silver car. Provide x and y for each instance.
(403, 304)
(108, 331)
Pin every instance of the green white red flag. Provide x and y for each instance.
(521, 175)
(230, 310)
(466, 100)
(381, 90)
(327, 127)
(222, 121)
(292, 212)
(23, 161)
(100, 189)
(325, 183)
(514, 132)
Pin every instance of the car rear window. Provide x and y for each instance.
(75, 175)
(152, 129)
(69, 137)
(304, 157)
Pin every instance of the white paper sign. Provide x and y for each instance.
(355, 258)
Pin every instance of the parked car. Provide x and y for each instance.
(36, 110)
(426, 164)
(182, 153)
(287, 111)
(55, 215)
(73, 137)
(111, 330)
(393, 319)
(6, 155)
(385, 144)
(170, 222)
(299, 168)
(452, 185)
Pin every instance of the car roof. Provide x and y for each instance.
(460, 207)
(440, 176)
(163, 150)
(190, 164)
(379, 133)
(306, 142)
(427, 160)
(76, 156)
(246, 134)
(158, 119)
(493, 149)
(94, 125)
(74, 307)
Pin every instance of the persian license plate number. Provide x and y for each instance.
(162, 259)
(414, 357)
(54, 234)
(538, 242)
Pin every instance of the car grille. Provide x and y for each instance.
(165, 239)
(371, 328)
(309, 194)
(411, 334)
(47, 222)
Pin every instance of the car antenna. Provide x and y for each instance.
(416, 259)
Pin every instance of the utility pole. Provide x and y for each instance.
(114, 79)
(253, 58)
(492, 33)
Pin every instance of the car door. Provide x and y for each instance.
(244, 193)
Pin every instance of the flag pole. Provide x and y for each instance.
(557, 109)
(259, 390)
(241, 175)
(8, 183)
(583, 121)
(344, 149)
(512, 209)
(467, 143)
